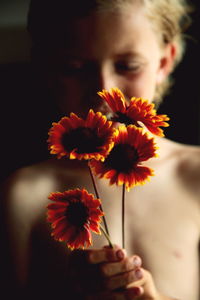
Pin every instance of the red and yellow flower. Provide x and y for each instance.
(73, 215)
(76, 138)
(123, 164)
(138, 110)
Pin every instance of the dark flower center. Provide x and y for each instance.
(122, 158)
(85, 140)
(123, 118)
(77, 214)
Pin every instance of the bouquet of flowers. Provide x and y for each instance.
(115, 149)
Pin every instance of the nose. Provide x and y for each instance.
(106, 78)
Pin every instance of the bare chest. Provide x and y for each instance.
(162, 227)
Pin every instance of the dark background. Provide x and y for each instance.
(183, 103)
(24, 117)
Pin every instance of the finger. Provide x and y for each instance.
(114, 246)
(145, 281)
(123, 294)
(104, 277)
(133, 293)
(121, 280)
(96, 256)
(127, 264)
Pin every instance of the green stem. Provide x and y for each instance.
(97, 196)
(123, 215)
(107, 236)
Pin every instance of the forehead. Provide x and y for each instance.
(110, 32)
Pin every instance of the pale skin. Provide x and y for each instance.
(160, 259)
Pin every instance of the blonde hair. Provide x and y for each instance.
(171, 17)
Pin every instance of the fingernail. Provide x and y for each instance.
(135, 291)
(138, 274)
(137, 261)
(120, 254)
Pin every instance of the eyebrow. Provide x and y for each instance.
(130, 55)
(68, 55)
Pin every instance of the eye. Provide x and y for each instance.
(127, 66)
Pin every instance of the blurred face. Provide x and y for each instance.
(107, 50)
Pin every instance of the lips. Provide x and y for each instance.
(104, 109)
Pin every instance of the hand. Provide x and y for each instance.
(102, 273)
(143, 289)
(108, 274)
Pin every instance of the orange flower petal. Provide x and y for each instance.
(73, 214)
(123, 164)
(138, 110)
(114, 98)
(75, 138)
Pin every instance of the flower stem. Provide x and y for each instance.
(107, 236)
(123, 215)
(97, 196)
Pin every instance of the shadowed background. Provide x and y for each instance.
(25, 119)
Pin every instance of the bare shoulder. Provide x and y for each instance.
(27, 189)
(186, 164)
(24, 199)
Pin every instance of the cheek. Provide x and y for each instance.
(143, 86)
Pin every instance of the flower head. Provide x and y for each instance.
(73, 215)
(123, 164)
(76, 138)
(138, 110)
